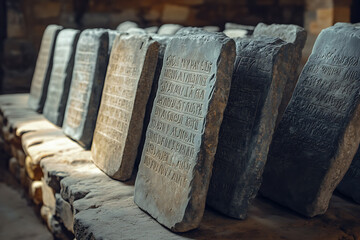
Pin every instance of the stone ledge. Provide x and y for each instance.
(88, 203)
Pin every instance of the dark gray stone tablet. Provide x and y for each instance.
(41, 77)
(260, 73)
(121, 115)
(91, 59)
(60, 79)
(319, 133)
(292, 34)
(182, 136)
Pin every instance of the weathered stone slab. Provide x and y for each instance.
(234, 26)
(260, 73)
(190, 30)
(349, 185)
(121, 115)
(60, 79)
(89, 72)
(235, 33)
(169, 29)
(43, 68)
(152, 29)
(59, 166)
(112, 36)
(320, 131)
(64, 212)
(292, 34)
(181, 139)
(127, 25)
(104, 209)
(163, 40)
(136, 31)
(48, 196)
(14, 99)
(211, 28)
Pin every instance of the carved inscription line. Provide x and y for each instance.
(178, 116)
(188, 64)
(336, 59)
(184, 92)
(118, 96)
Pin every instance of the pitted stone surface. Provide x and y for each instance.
(261, 69)
(88, 77)
(349, 185)
(291, 34)
(60, 79)
(124, 26)
(121, 115)
(169, 29)
(320, 131)
(181, 139)
(41, 78)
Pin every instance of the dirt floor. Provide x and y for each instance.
(17, 218)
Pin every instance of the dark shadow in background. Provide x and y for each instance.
(355, 11)
(3, 31)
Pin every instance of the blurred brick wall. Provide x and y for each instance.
(320, 14)
(27, 19)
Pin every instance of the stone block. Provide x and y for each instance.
(182, 135)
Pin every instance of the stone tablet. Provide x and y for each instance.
(121, 115)
(350, 184)
(152, 29)
(190, 30)
(235, 33)
(162, 40)
(169, 29)
(112, 36)
(60, 79)
(211, 28)
(181, 139)
(124, 26)
(40, 81)
(261, 69)
(292, 34)
(319, 133)
(88, 77)
(233, 26)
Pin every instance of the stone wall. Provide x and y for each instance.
(320, 14)
(26, 21)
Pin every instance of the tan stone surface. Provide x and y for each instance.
(33, 138)
(35, 192)
(22, 126)
(64, 212)
(104, 209)
(182, 136)
(14, 99)
(48, 197)
(51, 147)
(126, 91)
(33, 169)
